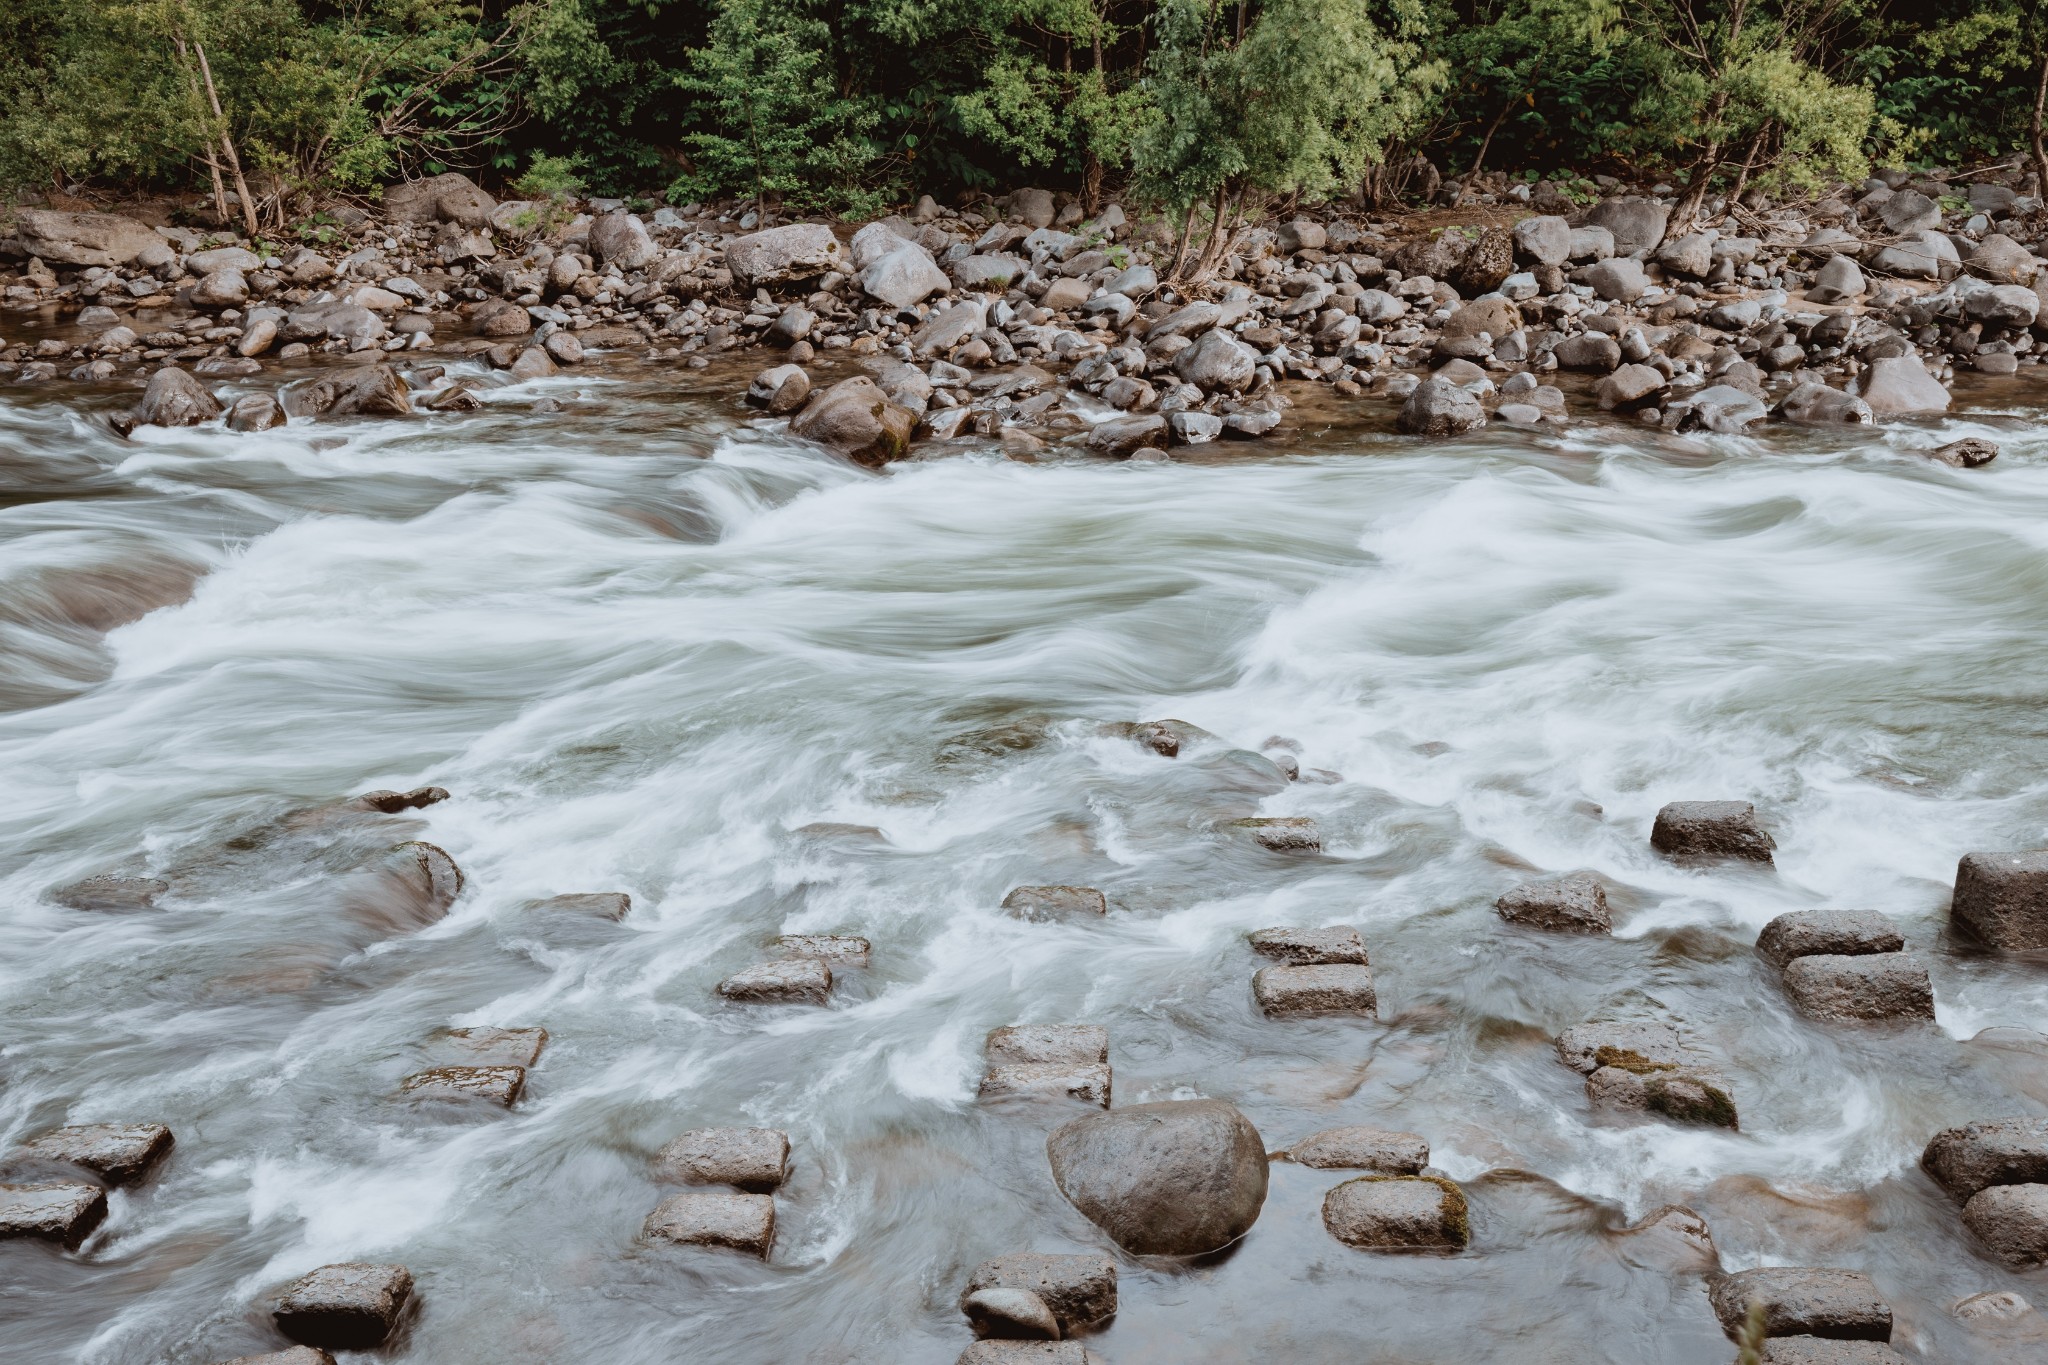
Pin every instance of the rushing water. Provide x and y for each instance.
(645, 644)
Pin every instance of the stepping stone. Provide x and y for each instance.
(754, 1159)
(1283, 834)
(603, 904)
(1079, 1288)
(1070, 1060)
(1163, 737)
(1336, 943)
(1010, 1314)
(1398, 1213)
(2001, 899)
(499, 1046)
(111, 893)
(790, 981)
(352, 1306)
(297, 1355)
(2012, 1221)
(844, 948)
(1575, 904)
(499, 1085)
(1805, 933)
(1689, 830)
(428, 871)
(715, 1218)
(1587, 1047)
(52, 1211)
(1686, 1096)
(1041, 903)
(118, 1153)
(1028, 1353)
(1864, 986)
(1298, 992)
(1799, 1302)
(1974, 1156)
(391, 803)
(1363, 1149)
(1822, 1351)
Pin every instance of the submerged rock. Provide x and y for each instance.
(856, 419)
(1179, 1178)
(499, 1085)
(1010, 1314)
(1364, 1149)
(348, 1307)
(1842, 1304)
(1291, 992)
(1055, 902)
(791, 981)
(173, 398)
(111, 893)
(1968, 453)
(1440, 408)
(1283, 833)
(1635, 1046)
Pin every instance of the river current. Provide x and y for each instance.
(649, 647)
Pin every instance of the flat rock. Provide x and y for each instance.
(992, 1352)
(1288, 992)
(1179, 1178)
(118, 1153)
(2001, 899)
(849, 949)
(111, 893)
(752, 1159)
(348, 1307)
(1711, 829)
(498, 1046)
(1801, 933)
(1398, 1213)
(714, 1218)
(1823, 1351)
(604, 904)
(1841, 1304)
(1335, 943)
(297, 1355)
(83, 239)
(499, 1085)
(1860, 986)
(1974, 1156)
(1079, 1288)
(1679, 1094)
(2012, 1222)
(51, 1211)
(788, 981)
(1900, 384)
(1363, 1149)
(1631, 1045)
(1010, 1314)
(797, 251)
(1575, 903)
(1055, 902)
(1283, 833)
(1070, 1060)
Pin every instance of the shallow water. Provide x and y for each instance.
(645, 644)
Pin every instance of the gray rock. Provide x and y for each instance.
(1048, 1060)
(1619, 279)
(1544, 240)
(1838, 1304)
(855, 418)
(1631, 387)
(1301, 235)
(2011, 306)
(997, 1352)
(1136, 282)
(1366, 1149)
(792, 981)
(64, 1212)
(2001, 260)
(1802, 933)
(174, 398)
(111, 893)
(1979, 1155)
(714, 1218)
(752, 1159)
(620, 238)
(222, 258)
(1691, 255)
(1187, 320)
(1188, 427)
(1180, 1178)
(1711, 829)
(949, 327)
(1816, 404)
(1637, 224)
(1010, 1314)
(1290, 992)
(352, 1306)
(255, 412)
(1825, 1351)
(905, 276)
(2001, 899)
(1591, 351)
(1120, 437)
(1055, 902)
(1865, 986)
(223, 288)
(988, 272)
(847, 948)
(118, 1153)
(1248, 424)
(1718, 407)
(780, 390)
(1836, 281)
(1630, 1045)
(798, 251)
(448, 198)
(1080, 1289)
(1440, 408)
(83, 239)
(1217, 363)
(1909, 211)
(2012, 1222)
(1574, 903)
(1398, 1213)
(1032, 207)
(1282, 833)
(1923, 256)
(1591, 244)
(1336, 943)
(499, 1085)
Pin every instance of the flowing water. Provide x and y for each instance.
(647, 645)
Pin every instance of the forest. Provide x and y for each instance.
(848, 105)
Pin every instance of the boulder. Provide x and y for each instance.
(117, 1153)
(1923, 256)
(1188, 427)
(752, 1159)
(1398, 1213)
(532, 363)
(564, 348)
(1591, 244)
(798, 251)
(620, 238)
(173, 398)
(1038, 1060)
(1303, 234)
(1991, 1152)
(1718, 407)
(1217, 363)
(1440, 408)
(1365, 1149)
(1042, 903)
(83, 239)
(1178, 1178)
(1337, 943)
(1121, 437)
(2011, 306)
(1683, 1095)
(1861, 986)
(1080, 1289)
(995, 272)
(948, 327)
(1815, 404)
(1544, 240)
(1471, 332)
(223, 288)
(1909, 211)
(1968, 453)
(794, 324)
(903, 277)
(1837, 1304)
(780, 390)
(222, 258)
(1575, 903)
(2012, 1222)
(501, 318)
(373, 391)
(1711, 829)
(1803, 933)
(1631, 387)
(2001, 260)
(1489, 260)
(1690, 255)
(995, 1351)
(348, 1307)
(1630, 1045)
(856, 419)
(714, 1218)
(111, 893)
(1826, 1351)
(499, 1085)
(794, 981)
(1591, 351)
(1032, 207)
(2001, 899)
(1837, 281)
(448, 198)
(1436, 257)
(1065, 295)
(1620, 279)
(1010, 1314)
(64, 1212)
(1638, 225)
(1289, 992)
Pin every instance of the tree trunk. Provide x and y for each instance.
(1688, 207)
(2040, 153)
(220, 194)
(1180, 248)
(1479, 157)
(1756, 145)
(227, 143)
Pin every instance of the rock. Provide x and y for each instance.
(499, 1085)
(1802, 933)
(374, 391)
(111, 893)
(798, 251)
(1217, 363)
(1619, 279)
(1187, 320)
(1301, 235)
(1544, 240)
(846, 948)
(1866, 986)
(2001, 260)
(1487, 262)
(1437, 257)
(754, 1159)
(1711, 829)
(1923, 256)
(83, 239)
(905, 276)
(1816, 404)
(1836, 281)
(1631, 387)
(1691, 255)
(1630, 1045)
(1179, 1178)
(1248, 424)
(1574, 903)
(996, 272)
(1839, 1304)
(424, 875)
(1686, 1096)
(714, 1218)
(856, 419)
(620, 238)
(1440, 408)
(448, 198)
(1718, 407)
(1070, 1060)
(1398, 1213)
(1338, 943)
(1591, 351)
(949, 327)
(224, 288)
(1032, 207)
(1080, 1290)
(2001, 899)
(1282, 833)
(1991, 1152)
(118, 1153)
(1065, 295)
(62, 1212)
(1121, 437)
(1369, 1149)
(174, 398)
(1824, 1351)
(1054, 902)
(2012, 1222)
(222, 258)
(996, 1352)
(501, 318)
(1638, 225)
(1471, 332)
(498, 1046)
(533, 363)
(255, 412)
(297, 1355)
(2001, 1305)
(793, 981)
(1288, 992)
(780, 390)
(258, 333)
(1010, 1314)
(1591, 244)
(348, 1307)
(1187, 427)
(1909, 211)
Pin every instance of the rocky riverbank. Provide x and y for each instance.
(1025, 320)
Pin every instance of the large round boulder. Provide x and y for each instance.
(858, 420)
(1178, 1178)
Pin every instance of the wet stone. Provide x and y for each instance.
(297, 1355)
(1823, 1351)
(499, 1085)
(1040, 903)
(1013, 1314)
(995, 1352)
(1292, 992)
(2001, 899)
(1999, 1305)
(753, 1159)
(1398, 1213)
(1335, 943)
(1866, 986)
(712, 1218)
(53, 1211)
(1363, 1149)
(1969, 1158)
(845, 948)
(1070, 1060)
(499, 1046)
(1079, 1288)
(791, 981)
(1803, 933)
(111, 893)
(118, 1153)
(1685, 1096)
(1711, 829)
(2012, 1223)
(1631, 1046)
(348, 1307)
(1177, 1178)
(1163, 737)
(1575, 903)
(1797, 1302)
(391, 803)
(427, 871)
(606, 904)
(1283, 834)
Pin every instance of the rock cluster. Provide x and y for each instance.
(492, 1067)
(1316, 971)
(55, 1184)
(1039, 1060)
(1998, 1170)
(1847, 964)
(754, 1161)
(1810, 1315)
(1633, 1067)
(799, 974)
